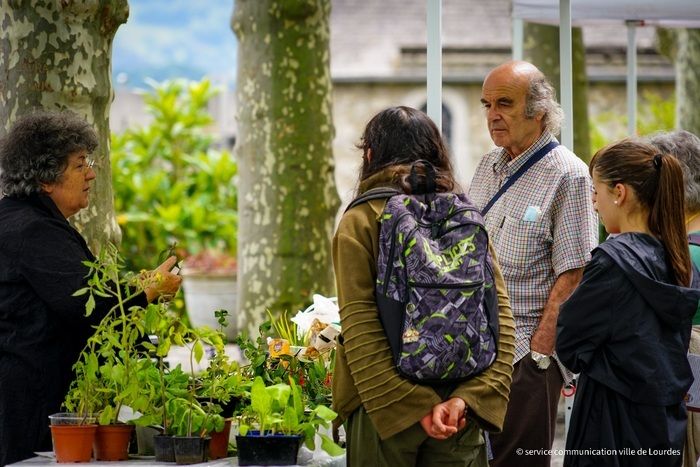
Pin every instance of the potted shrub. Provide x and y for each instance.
(172, 183)
(209, 282)
(282, 423)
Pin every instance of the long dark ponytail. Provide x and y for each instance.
(657, 180)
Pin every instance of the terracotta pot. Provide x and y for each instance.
(112, 442)
(218, 446)
(73, 443)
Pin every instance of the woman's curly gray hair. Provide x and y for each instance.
(36, 150)
(541, 98)
(686, 147)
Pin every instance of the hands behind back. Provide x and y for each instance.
(446, 419)
(161, 282)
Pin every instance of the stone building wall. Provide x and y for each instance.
(355, 103)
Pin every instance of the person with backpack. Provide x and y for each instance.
(535, 197)
(423, 362)
(686, 147)
(626, 327)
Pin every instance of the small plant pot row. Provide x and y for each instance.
(78, 443)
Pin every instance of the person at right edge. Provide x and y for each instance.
(626, 328)
(686, 147)
(543, 229)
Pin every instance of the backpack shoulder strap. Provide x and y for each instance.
(374, 193)
(694, 239)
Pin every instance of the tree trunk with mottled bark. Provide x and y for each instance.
(541, 47)
(287, 194)
(56, 55)
(688, 80)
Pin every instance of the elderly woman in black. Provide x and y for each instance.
(45, 177)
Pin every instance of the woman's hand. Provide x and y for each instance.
(161, 282)
(446, 419)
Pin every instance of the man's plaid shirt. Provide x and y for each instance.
(541, 227)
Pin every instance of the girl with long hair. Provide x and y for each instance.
(626, 328)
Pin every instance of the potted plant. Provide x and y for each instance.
(209, 282)
(191, 422)
(111, 360)
(72, 435)
(160, 384)
(282, 423)
(220, 390)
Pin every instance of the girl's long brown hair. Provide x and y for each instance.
(657, 180)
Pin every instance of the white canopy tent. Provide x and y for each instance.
(630, 13)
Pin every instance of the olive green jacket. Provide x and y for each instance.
(364, 370)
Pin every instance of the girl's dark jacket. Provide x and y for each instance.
(43, 326)
(626, 329)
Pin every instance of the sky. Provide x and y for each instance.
(166, 39)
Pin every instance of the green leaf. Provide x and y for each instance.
(290, 420)
(330, 447)
(279, 394)
(324, 413)
(89, 305)
(260, 401)
(163, 347)
(80, 292)
(106, 415)
(198, 350)
(296, 398)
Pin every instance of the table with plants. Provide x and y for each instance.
(274, 399)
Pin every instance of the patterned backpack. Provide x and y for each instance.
(435, 288)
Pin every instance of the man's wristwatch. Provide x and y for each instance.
(540, 359)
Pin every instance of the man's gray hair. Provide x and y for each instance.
(686, 147)
(541, 98)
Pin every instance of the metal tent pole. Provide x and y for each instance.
(632, 77)
(567, 100)
(518, 33)
(434, 61)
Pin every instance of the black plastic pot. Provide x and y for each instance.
(277, 449)
(190, 449)
(163, 447)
